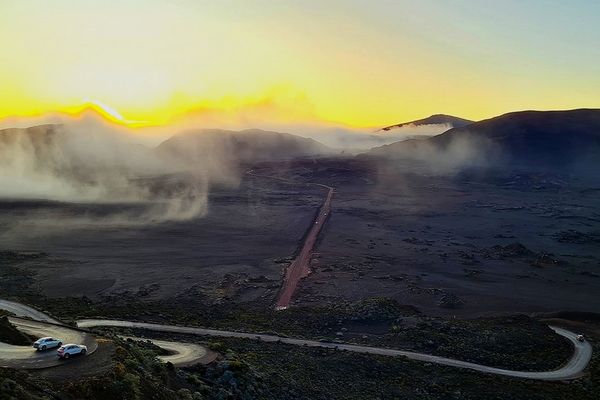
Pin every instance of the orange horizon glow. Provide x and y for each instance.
(349, 62)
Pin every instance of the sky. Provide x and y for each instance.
(359, 63)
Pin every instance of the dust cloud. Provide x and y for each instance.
(90, 162)
(87, 160)
(356, 140)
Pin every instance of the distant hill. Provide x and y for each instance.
(50, 146)
(528, 138)
(39, 135)
(40, 144)
(436, 119)
(59, 151)
(240, 146)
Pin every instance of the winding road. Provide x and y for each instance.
(28, 357)
(180, 354)
(574, 368)
(39, 324)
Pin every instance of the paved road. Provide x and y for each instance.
(21, 310)
(180, 354)
(28, 357)
(186, 353)
(572, 369)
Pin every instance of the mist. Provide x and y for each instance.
(90, 162)
(441, 155)
(351, 140)
(356, 140)
(85, 160)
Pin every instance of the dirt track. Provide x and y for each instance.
(300, 267)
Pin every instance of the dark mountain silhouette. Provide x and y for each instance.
(41, 142)
(436, 119)
(525, 138)
(48, 143)
(38, 135)
(240, 146)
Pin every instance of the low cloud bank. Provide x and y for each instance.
(355, 140)
(444, 154)
(90, 162)
(86, 160)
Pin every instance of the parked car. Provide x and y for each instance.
(47, 343)
(581, 338)
(69, 350)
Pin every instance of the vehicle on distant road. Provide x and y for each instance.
(581, 338)
(70, 350)
(47, 343)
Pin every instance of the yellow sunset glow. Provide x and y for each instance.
(351, 62)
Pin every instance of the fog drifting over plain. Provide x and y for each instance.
(86, 160)
(90, 162)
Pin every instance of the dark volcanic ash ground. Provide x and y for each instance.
(251, 230)
(450, 245)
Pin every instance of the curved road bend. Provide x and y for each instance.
(21, 310)
(180, 354)
(28, 357)
(572, 369)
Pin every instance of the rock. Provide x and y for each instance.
(576, 237)
(472, 272)
(515, 249)
(544, 260)
(449, 300)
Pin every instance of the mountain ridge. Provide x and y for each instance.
(543, 138)
(435, 119)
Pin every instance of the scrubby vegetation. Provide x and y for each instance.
(136, 374)
(251, 370)
(11, 335)
(255, 370)
(311, 373)
(516, 342)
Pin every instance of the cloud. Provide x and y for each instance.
(87, 161)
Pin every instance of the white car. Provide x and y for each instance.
(581, 338)
(47, 343)
(69, 350)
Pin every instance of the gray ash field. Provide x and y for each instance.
(458, 244)
(449, 245)
(248, 231)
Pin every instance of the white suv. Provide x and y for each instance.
(69, 350)
(47, 343)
